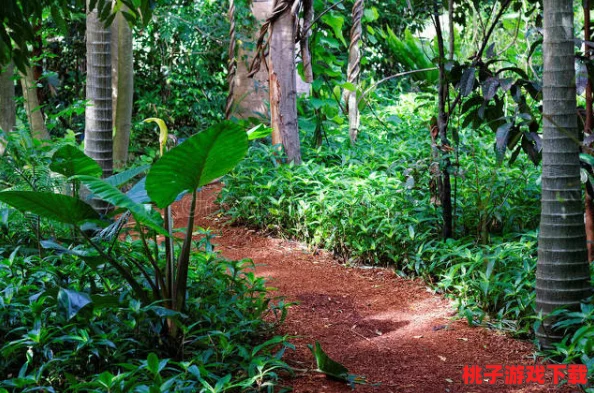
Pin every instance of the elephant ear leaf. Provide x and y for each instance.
(58, 207)
(109, 193)
(70, 161)
(198, 161)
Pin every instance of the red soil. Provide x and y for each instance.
(391, 330)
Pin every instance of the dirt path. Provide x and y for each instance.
(389, 329)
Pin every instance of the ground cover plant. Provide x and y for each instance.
(107, 306)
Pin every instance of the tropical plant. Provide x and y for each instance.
(194, 163)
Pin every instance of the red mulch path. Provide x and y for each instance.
(391, 330)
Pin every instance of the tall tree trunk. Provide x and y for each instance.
(588, 131)
(308, 15)
(452, 33)
(123, 83)
(7, 104)
(562, 274)
(32, 107)
(442, 152)
(354, 69)
(98, 115)
(282, 80)
(37, 65)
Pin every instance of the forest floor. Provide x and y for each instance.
(394, 331)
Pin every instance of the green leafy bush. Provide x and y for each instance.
(109, 306)
(64, 328)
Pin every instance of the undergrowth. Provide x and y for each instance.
(70, 323)
(64, 330)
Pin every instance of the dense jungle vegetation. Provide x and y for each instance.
(449, 141)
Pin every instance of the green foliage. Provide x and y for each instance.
(412, 54)
(578, 342)
(196, 162)
(65, 328)
(96, 309)
(71, 161)
(61, 208)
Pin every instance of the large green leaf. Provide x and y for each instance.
(70, 161)
(142, 214)
(62, 208)
(196, 162)
(70, 302)
(119, 179)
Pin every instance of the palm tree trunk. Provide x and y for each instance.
(124, 94)
(283, 82)
(7, 104)
(98, 115)
(563, 274)
(32, 107)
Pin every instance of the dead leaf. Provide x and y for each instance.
(443, 358)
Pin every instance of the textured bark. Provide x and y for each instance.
(354, 69)
(444, 182)
(34, 114)
(308, 14)
(7, 104)
(99, 112)
(562, 274)
(250, 94)
(283, 82)
(124, 94)
(452, 42)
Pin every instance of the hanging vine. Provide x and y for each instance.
(232, 63)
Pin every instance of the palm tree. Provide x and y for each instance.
(563, 274)
(98, 115)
